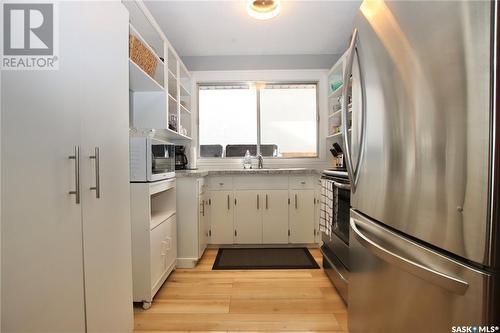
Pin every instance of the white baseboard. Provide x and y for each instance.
(186, 262)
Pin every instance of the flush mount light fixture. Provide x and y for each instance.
(263, 9)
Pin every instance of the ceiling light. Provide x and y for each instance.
(263, 9)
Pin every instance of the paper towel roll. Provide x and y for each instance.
(192, 158)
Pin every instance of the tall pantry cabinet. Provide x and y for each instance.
(66, 258)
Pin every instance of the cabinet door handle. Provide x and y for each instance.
(296, 201)
(228, 202)
(267, 204)
(202, 207)
(258, 202)
(76, 157)
(97, 186)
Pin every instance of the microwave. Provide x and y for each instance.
(151, 160)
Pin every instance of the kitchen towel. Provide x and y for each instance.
(326, 208)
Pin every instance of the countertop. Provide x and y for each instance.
(232, 172)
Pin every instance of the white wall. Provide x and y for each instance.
(319, 76)
(260, 62)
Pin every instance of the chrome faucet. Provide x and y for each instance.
(260, 161)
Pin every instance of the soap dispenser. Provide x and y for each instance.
(247, 160)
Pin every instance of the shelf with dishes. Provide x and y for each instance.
(335, 117)
(337, 134)
(160, 96)
(335, 99)
(338, 112)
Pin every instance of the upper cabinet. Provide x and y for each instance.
(160, 84)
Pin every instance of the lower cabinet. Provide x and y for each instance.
(261, 217)
(192, 220)
(203, 222)
(262, 210)
(248, 217)
(154, 237)
(301, 216)
(221, 219)
(163, 250)
(275, 217)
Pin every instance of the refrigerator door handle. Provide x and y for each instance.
(342, 186)
(440, 279)
(352, 171)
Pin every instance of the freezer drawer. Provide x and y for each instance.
(397, 285)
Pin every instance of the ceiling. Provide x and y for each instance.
(223, 28)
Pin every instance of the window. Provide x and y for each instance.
(229, 120)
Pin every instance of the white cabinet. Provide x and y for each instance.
(163, 251)
(221, 217)
(158, 262)
(261, 217)
(154, 237)
(208, 214)
(248, 217)
(275, 217)
(170, 244)
(301, 220)
(192, 220)
(203, 221)
(68, 263)
(263, 209)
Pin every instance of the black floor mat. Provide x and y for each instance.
(264, 258)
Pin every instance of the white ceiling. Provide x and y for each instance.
(223, 28)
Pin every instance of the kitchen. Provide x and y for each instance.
(249, 166)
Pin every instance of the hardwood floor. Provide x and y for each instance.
(200, 299)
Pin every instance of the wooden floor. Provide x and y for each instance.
(200, 299)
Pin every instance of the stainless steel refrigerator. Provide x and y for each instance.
(423, 162)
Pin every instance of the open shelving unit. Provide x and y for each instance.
(335, 97)
(161, 101)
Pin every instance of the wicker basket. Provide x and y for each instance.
(142, 56)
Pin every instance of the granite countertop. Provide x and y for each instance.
(228, 172)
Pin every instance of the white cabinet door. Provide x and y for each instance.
(42, 257)
(275, 217)
(301, 212)
(44, 267)
(170, 242)
(248, 217)
(208, 209)
(105, 125)
(202, 219)
(158, 248)
(221, 217)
